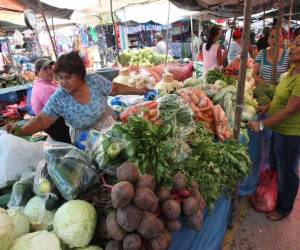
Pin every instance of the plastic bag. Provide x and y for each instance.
(265, 197)
(108, 152)
(71, 171)
(42, 185)
(21, 191)
(17, 156)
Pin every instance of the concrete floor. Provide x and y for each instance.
(256, 232)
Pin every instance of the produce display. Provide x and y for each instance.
(134, 79)
(217, 75)
(167, 84)
(264, 93)
(11, 80)
(143, 58)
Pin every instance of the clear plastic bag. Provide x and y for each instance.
(42, 185)
(71, 171)
(21, 191)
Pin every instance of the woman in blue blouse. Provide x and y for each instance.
(81, 100)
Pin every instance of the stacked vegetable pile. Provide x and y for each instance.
(143, 58)
(217, 76)
(11, 80)
(264, 93)
(144, 217)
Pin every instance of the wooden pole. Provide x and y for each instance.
(278, 29)
(167, 36)
(192, 37)
(114, 28)
(290, 20)
(53, 30)
(47, 26)
(243, 68)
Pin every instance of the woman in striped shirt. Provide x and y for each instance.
(265, 58)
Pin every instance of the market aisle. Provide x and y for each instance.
(258, 233)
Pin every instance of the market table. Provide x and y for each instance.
(212, 233)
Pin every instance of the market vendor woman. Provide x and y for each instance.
(81, 100)
(284, 120)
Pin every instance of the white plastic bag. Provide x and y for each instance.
(17, 156)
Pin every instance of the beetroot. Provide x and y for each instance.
(114, 231)
(195, 221)
(145, 199)
(113, 245)
(171, 209)
(158, 243)
(179, 181)
(132, 242)
(147, 181)
(128, 172)
(150, 226)
(173, 225)
(129, 218)
(190, 206)
(164, 193)
(122, 194)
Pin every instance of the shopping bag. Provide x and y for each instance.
(265, 197)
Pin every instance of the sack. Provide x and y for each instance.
(265, 197)
(17, 156)
(71, 171)
(21, 191)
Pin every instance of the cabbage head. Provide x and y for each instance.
(20, 222)
(41, 240)
(89, 248)
(39, 217)
(6, 229)
(74, 223)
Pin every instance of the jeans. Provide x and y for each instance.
(285, 157)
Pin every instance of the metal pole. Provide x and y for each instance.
(278, 28)
(192, 37)
(47, 26)
(167, 35)
(231, 33)
(243, 68)
(290, 20)
(114, 28)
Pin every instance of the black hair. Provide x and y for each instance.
(213, 32)
(70, 63)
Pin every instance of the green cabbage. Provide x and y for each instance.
(39, 217)
(20, 222)
(41, 240)
(6, 229)
(75, 222)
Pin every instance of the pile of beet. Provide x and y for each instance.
(146, 214)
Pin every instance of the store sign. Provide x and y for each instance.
(146, 27)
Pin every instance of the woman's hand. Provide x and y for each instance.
(120, 89)
(14, 129)
(262, 109)
(254, 125)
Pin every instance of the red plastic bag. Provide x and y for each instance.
(265, 197)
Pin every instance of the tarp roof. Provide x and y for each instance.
(18, 6)
(156, 12)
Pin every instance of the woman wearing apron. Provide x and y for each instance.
(81, 100)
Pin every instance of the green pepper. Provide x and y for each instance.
(113, 150)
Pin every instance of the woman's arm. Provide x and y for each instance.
(291, 108)
(120, 89)
(257, 78)
(37, 124)
(221, 56)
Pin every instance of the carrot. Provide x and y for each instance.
(146, 117)
(205, 109)
(194, 107)
(195, 98)
(151, 105)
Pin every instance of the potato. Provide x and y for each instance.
(132, 242)
(195, 221)
(173, 225)
(179, 181)
(114, 231)
(158, 243)
(164, 193)
(171, 209)
(147, 181)
(145, 199)
(113, 245)
(190, 206)
(129, 217)
(128, 172)
(122, 194)
(197, 195)
(150, 226)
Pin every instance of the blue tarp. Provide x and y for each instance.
(212, 233)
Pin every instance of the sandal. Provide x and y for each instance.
(275, 216)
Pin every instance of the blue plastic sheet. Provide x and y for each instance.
(212, 233)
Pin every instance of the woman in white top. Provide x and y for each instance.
(213, 55)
